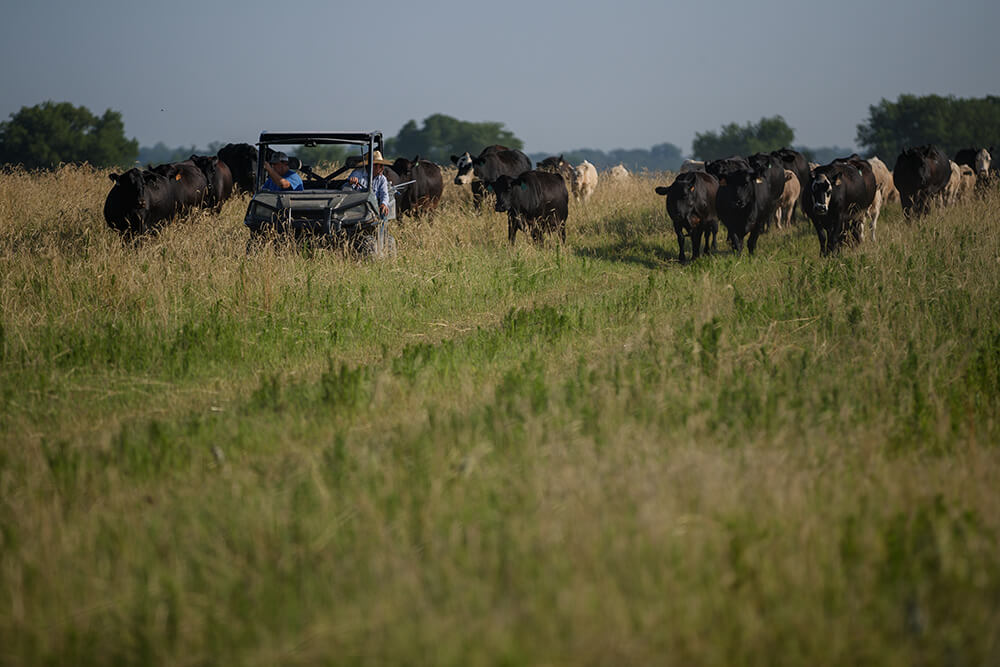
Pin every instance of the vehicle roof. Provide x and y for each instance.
(323, 137)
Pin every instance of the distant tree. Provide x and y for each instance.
(443, 136)
(47, 134)
(160, 153)
(317, 155)
(766, 135)
(661, 157)
(948, 122)
(824, 154)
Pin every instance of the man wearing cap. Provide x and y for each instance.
(358, 180)
(279, 176)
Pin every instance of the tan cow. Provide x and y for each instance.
(786, 204)
(584, 181)
(883, 180)
(949, 195)
(968, 184)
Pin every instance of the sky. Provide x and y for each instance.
(559, 75)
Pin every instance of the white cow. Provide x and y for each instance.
(584, 181)
(692, 165)
(618, 174)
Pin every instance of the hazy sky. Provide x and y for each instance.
(560, 75)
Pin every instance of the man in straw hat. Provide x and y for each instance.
(380, 184)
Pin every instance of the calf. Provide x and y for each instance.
(952, 188)
(838, 197)
(691, 206)
(584, 181)
(883, 180)
(535, 201)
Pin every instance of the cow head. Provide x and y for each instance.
(504, 188)
(741, 186)
(983, 160)
(822, 192)
(466, 168)
(131, 187)
(682, 198)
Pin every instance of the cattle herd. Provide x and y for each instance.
(843, 199)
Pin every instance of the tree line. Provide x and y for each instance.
(45, 135)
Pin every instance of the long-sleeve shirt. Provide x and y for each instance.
(380, 186)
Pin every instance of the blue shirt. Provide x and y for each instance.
(381, 184)
(292, 177)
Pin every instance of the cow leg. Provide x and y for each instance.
(824, 248)
(478, 193)
(752, 241)
(511, 227)
(696, 242)
(680, 243)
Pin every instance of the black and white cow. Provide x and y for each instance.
(492, 163)
(535, 201)
(691, 207)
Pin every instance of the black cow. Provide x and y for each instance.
(839, 195)
(691, 207)
(219, 178)
(920, 175)
(727, 165)
(139, 200)
(745, 202)
(423, 196)
(190, 186)
(535, 201)
(242, 162)
(557, 165)
(493, 162)
(771, 168)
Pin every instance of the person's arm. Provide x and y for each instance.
(277, 178)
(382, 193)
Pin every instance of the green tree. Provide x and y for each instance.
(443, 136)
(321, 155)
(947, 122)
(47, 134)
(766, 135)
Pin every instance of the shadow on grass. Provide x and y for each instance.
(633, 251)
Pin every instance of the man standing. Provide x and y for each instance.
(358, 180)
(279, 176)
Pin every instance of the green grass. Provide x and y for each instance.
(477, 454)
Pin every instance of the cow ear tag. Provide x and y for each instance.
(758, 180)
(837, 182)
(177, 177)
(691, 189)
(489, 188)
(524, 186)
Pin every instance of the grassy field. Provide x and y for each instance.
(475, 454)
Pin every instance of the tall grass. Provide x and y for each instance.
(477, 454)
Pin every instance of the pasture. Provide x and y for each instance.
(474, 454)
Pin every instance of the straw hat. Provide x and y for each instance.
(377, 159)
